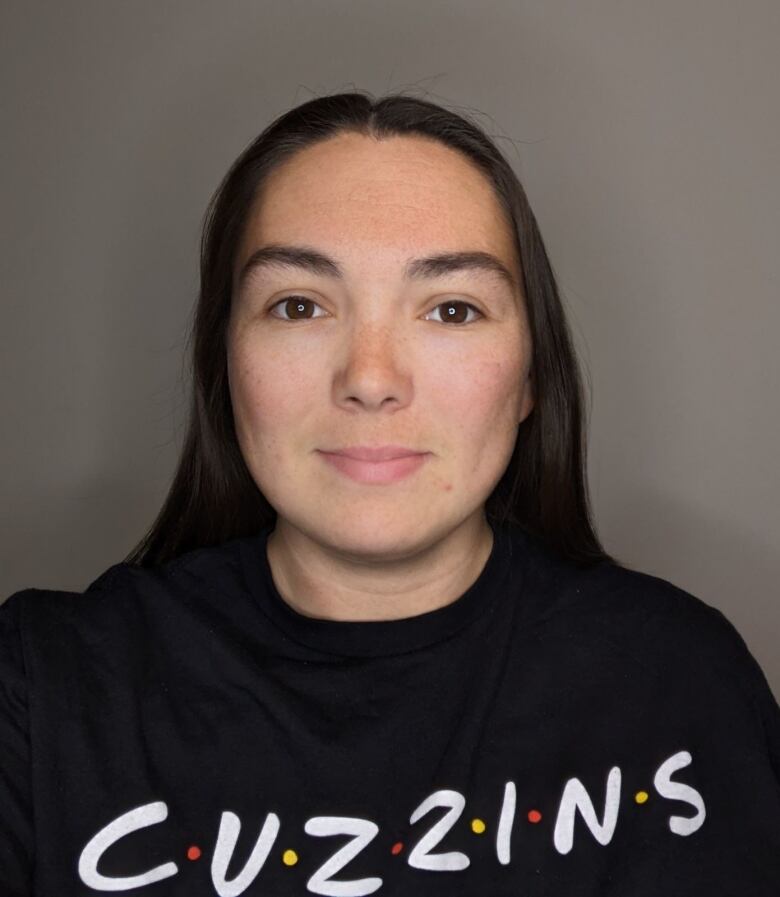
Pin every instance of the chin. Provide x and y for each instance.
(365, 533)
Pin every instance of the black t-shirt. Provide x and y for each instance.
(554, 731)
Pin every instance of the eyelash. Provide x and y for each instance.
(306, 299)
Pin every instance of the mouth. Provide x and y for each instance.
(378, 472)
(374, 453)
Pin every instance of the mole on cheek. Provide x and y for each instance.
(446, 485)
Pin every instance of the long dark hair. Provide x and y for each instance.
(213, 497)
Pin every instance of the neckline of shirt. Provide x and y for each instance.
(376, 638)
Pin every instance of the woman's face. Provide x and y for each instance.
(357, 353)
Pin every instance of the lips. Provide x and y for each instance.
(376, 472)
(375, 453)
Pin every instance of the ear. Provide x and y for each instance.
(527, 400)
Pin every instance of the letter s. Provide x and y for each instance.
(680, 825)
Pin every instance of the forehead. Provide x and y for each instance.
(388, 198)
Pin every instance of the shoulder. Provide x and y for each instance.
(647, 619)
(124, 598)
(640, 634)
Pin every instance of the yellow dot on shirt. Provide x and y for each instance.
(289, 858)
(478, 826)
(641, 796)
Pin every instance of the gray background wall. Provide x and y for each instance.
(648, 140)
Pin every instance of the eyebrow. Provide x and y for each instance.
(315, 262)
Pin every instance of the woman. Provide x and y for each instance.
(372, 642)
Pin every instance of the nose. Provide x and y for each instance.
(374, 371)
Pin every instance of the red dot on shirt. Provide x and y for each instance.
(193, 853)
(534, 816)
(396, 848)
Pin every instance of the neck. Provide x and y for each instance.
(350, 581)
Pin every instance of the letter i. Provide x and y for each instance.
(505, 823)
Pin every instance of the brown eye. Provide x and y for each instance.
(295, 307)
(452, 311)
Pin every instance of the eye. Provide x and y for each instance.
(295, 303)
(298, 305)
(451, 316)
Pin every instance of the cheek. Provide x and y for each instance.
(481, 401)
(267, 394)
(479, 393)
